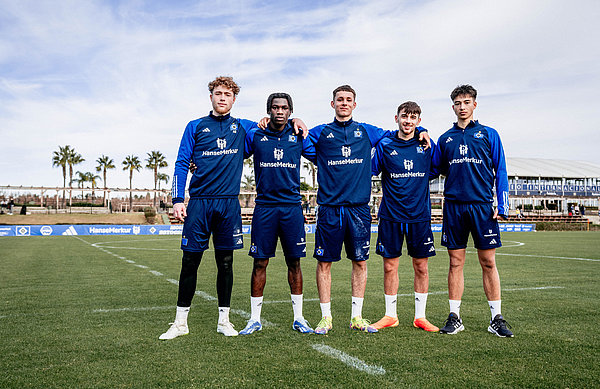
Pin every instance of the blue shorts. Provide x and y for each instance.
(460, 219)
(221, 217)
(419, 239)
(350, 225)
(271, 222)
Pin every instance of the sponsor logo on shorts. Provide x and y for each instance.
(253, 249)
(239, 241)
(432, 249)
(493, 241)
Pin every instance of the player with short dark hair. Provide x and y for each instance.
(472, 159)
(278, 212)
(405, 212)
(344, 176)
(215, 144)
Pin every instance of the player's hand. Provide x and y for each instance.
(193, 167)
(263, 123)
(424, 139)
(300, 128)
(498, 216)
(179, 211)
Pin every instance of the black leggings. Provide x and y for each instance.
(189, 274)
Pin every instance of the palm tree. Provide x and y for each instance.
(155, 161)
(248, 184)
(60, 158)
(131, 163)
(104, 163)
(92, 178)
(81, 179)
(73, 159)
(162, 177)
(312, 170)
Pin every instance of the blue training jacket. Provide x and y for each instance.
(473, 162)
(216, 145)
(406, 170)
(277, 163)
(344, 161)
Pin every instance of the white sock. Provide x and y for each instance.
(297, 305)
(420, 304)
(326, 309)
(255, 308)
(390, 305)
(182, 314)
(357, 303)
(495, 307)
(223, 314)
(455, 307)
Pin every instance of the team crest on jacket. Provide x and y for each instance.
(233, 127)
(478, 135)
(278, 154)
(357, 134)
(346, 151)
(420, 150)
(292, 138)
(221, 143)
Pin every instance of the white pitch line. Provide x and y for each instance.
(549, 256)
(156, 273)
(503, 290)
(131, 309)
(286, 301)
(349, 360)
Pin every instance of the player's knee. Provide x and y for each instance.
(293, 263)
(224, 260)
(191, 260)
(260, 264)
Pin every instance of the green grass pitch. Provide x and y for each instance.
(87, 312)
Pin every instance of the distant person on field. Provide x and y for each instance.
(472, 159)
(405, 212)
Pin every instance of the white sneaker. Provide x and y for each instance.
(176, 329)
(226, 328)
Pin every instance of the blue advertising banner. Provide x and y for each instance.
(101, 229)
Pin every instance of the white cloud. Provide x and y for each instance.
(126, 80)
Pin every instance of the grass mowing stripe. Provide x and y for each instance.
(348, 359)
(544, 256)
(287, 301)
(503, 290)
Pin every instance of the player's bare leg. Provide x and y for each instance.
(456, 286)
(359, 284)
(257, 287)
(295, 281)
(390, 289)
(324, 288)
(421, 285)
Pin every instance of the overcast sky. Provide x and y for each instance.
(125, 77)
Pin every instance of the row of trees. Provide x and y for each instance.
(66, 158)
